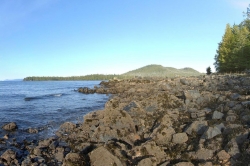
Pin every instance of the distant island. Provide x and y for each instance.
(146, 71)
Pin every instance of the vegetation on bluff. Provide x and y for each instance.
(160, 71)
(72, 78)
(147, 71)
(233, 53)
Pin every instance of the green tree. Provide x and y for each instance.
(222, 58)
(233, 53)
(208, 70)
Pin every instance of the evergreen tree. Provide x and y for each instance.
(208, 70)
(233, 54)
(222, 58)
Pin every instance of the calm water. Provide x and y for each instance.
(45, 105)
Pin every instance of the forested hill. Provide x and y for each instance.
(160, 71)
(147, 71)
(72, 78)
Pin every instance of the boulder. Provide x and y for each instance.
(217, 115)
(180, 138)
(145, 162)
(235, 96)
(9, 155)
(32, 131)
(199, 127)
(184, 81)
(204, 154)
(164, 136)
(67, 127)
(74, 159)
(211, 132)
(192, 94)
(10, 126)
(102, 156)
(223, 157)
(232, 148)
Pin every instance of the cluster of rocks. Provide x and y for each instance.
(152, 122)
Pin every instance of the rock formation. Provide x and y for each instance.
(179, 121)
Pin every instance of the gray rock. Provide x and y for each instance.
(245, 118)
(26, 162)
(220, 126)
(184, 81)
(151, 109)
(232, 148)
(130, 106)
(192, 94)
(211, 132)
(10, 126)
(54, 144)
(198, 127)
(145, 162)
(245, 103)
(246, 81)
(197, 113)
(235, 96)
(217, 115)
(39, 159)
(231, 104)
(180, 138)
(204, 154)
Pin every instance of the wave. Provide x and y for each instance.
(43, 96)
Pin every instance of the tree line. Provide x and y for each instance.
(74, 78)
(233, 53)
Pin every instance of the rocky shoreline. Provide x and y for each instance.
(151, 122)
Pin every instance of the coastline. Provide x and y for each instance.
(177, 121)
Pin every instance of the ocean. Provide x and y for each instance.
(45, 105)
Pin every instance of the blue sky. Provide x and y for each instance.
(80, 37)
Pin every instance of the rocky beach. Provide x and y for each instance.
(182, 121)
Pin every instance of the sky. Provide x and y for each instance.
(81, 37)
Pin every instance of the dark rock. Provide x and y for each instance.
(235, 96)
(86, 90)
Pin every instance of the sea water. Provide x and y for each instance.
(45, 105)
